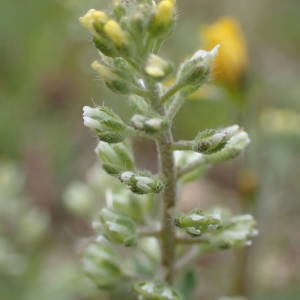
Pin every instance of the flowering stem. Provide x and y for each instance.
(167, 169)
(168, 173)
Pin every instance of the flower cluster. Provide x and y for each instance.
(140, 212)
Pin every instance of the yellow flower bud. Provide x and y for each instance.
(103, 71)
(164, 13)
(91, 17)
(156, 66)
(115, 33)
(231, 62)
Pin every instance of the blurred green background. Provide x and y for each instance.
(45, 79)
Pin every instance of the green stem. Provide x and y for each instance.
(175, 107)
(188, 258)
(169, 195)
(171, 92)
(189, 241)
(149, 233)
(167, 170)
(192, 166)
(184, 145)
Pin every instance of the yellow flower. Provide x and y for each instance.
(231, 62)
(91, 17)
(164, 13)
(115, 33)
(103, 71)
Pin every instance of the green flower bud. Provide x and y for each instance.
(210, 141)
(149, 125)
(156, 290)
(119, 9)
(141, 106)
(102, 265)
(113, 80)
(234, 146)
(195, 71)
(143, 183)
(118, 228)
(108, 126)
(115, 158)
(196, 223)
(105, 46)
(157, 67)
(124, 202)
(237, 233)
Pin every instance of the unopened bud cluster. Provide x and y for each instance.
(219, 230)
(140, 211)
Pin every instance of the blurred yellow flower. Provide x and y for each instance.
(231, 62)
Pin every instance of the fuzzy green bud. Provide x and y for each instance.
(197, 223)
(157, 67)
(107, 125)
(143, 183)
(115, 158)
(211, 141)
(195, 71)
(141, 106)
(156, 290)
(118, 228)
(124, 202)
(102, 265)
(236, 233)
(235, 145)
(113, 80)
(149, 125)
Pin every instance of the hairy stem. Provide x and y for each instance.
(169, 195)
(167, 169)
(171, 92)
